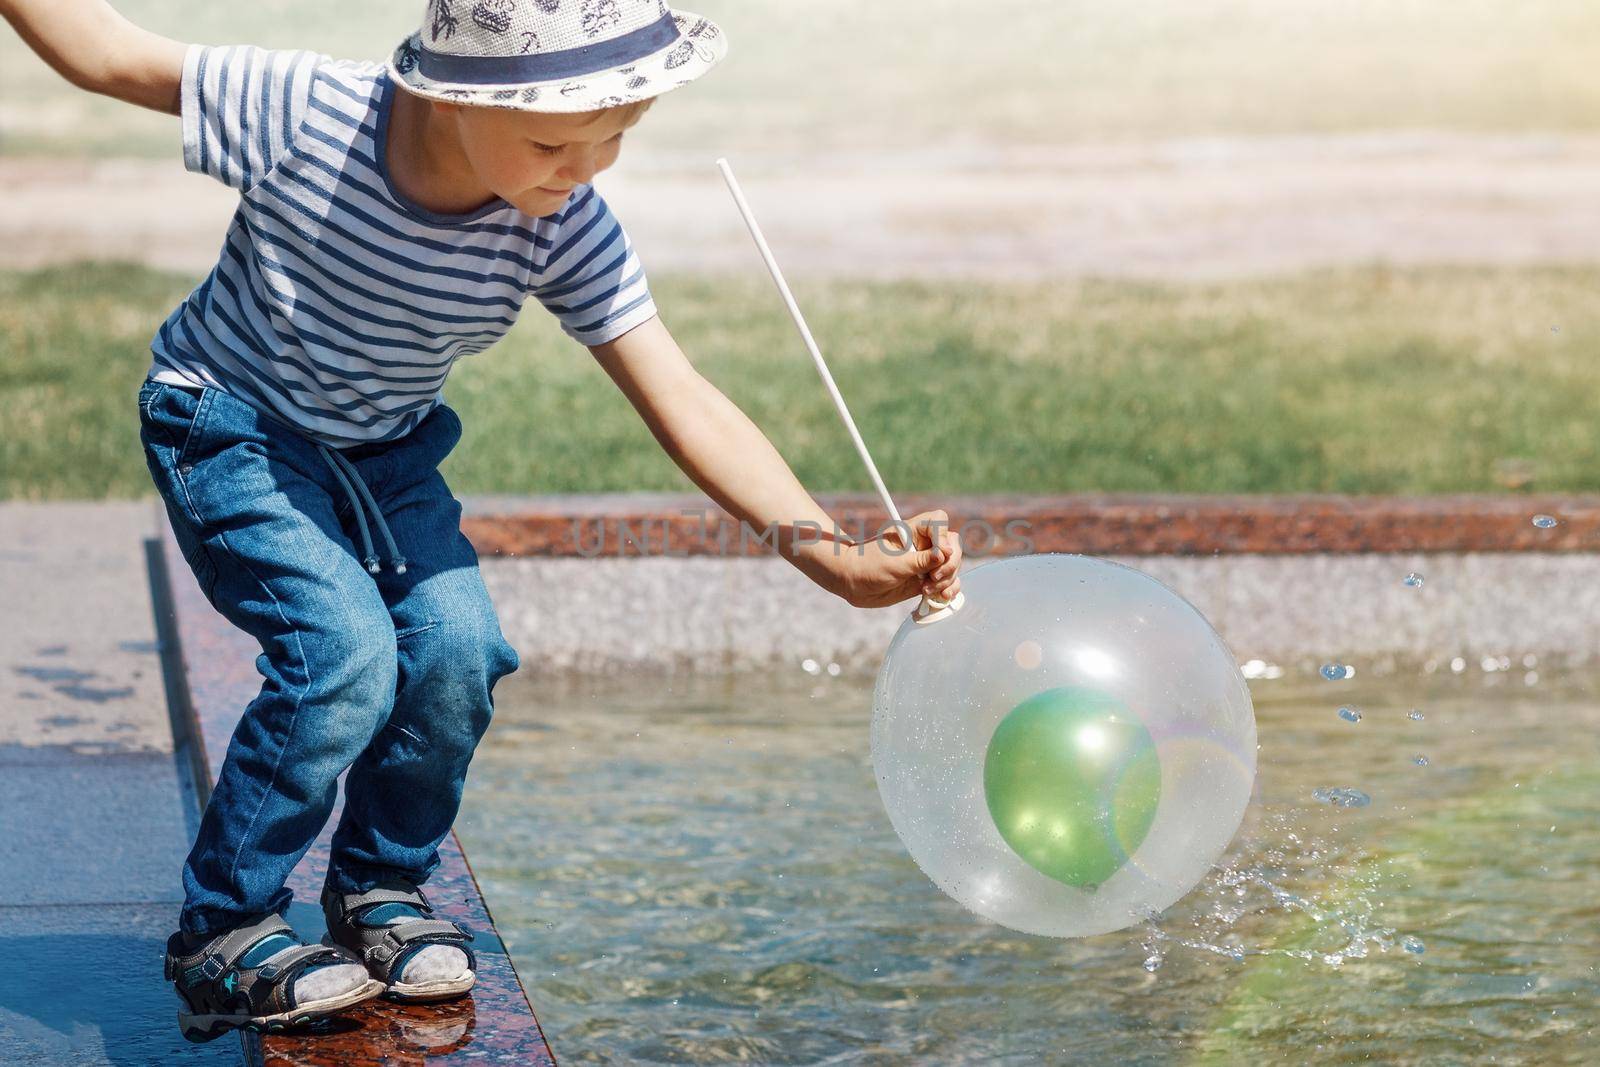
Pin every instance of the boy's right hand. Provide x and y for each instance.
(885, 571)
(97, 49)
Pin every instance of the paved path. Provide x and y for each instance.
(95, 808)
(1176, 209)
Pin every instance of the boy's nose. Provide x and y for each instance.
(580, 166)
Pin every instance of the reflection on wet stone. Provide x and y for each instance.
(55, 674)
(96, 696)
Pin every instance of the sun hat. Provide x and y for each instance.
(554, 55)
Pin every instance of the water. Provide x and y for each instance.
(1349, 714)
(1335, 672)
(1544, 522)
(703, 873)
(1413, 580)
(1341, 797)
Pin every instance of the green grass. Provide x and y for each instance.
(1371, 380)
(811, 80)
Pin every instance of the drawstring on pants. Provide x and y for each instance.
(360, 495)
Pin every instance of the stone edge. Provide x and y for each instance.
(688, 524)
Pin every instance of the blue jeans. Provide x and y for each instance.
(388, 676)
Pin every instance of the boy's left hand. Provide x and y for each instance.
(883, 571)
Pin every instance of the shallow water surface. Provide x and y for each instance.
(700, 871)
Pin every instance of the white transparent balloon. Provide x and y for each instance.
(1030, 624)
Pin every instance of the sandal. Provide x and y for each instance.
(238, 980)
(356, 922)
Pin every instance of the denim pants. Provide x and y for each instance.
(389, 677)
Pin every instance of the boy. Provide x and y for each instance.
(392, 219)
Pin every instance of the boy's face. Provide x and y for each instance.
(533, 160)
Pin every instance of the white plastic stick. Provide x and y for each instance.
(805, 334)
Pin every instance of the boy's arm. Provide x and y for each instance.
(97, 49)
(726, 455)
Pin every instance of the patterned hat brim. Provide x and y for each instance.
(701, 46)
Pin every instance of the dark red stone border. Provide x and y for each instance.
(630, 525)
(495, 1025)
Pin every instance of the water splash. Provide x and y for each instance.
(1413, 945)
(1341, 797)
(1544, 522)
(1413, 580)
(1420, 760)
(1342, 927)
(1349, 714)
(1415, 715)
(1335, 672)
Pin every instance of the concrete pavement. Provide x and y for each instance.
(96, 806)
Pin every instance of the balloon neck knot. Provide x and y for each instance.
(932, 609)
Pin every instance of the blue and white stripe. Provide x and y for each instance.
(337, 305)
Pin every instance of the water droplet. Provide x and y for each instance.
(1420, 760)
(1414, 580)
(1349, 714)
(1544, 522)
(1341, 797)
(1555, 329)
(1458, 665)
(1334, 672)
(1531, 678)
(1152, 962)
(1260, 668)
(1414, 714)
(833, 670)
(1413, 945)
(810, 666)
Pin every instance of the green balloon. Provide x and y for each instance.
(1072, 781)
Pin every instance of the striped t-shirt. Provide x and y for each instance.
(337, 305)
